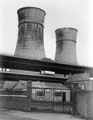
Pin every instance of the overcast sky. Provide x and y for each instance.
(59, 13)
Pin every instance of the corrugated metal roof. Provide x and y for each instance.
(23, 85)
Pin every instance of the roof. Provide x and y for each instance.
(78, 77)
(23, 85)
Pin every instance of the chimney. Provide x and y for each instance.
(66, 45)
(30, 43)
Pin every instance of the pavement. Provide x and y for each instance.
(20, 115)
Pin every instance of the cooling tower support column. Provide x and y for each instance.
(66, 45)
(30, 42)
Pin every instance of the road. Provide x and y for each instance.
(20, 115)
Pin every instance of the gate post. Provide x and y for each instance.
(73, 102)
(29, 95)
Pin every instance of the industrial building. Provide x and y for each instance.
(31, 82)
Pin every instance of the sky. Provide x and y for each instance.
(59, 13)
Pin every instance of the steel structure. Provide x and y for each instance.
(12, 62)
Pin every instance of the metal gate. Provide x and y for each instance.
(50, 99)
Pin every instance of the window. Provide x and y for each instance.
(40, 93)
(57, 93)
(82, 86)
(75, 85)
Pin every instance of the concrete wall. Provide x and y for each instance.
(84, 103)
(30, 42)
(66, 45)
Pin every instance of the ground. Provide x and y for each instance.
(20, 115)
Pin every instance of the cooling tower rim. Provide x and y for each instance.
(66, 28)
(30, 8)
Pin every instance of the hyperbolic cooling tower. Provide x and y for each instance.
(30, 42)
(66, 45)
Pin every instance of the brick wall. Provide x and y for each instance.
(13, 100)
(84, 103)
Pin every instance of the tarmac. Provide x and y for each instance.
(21, 115)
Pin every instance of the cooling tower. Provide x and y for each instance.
(30, 42)
(66, 45)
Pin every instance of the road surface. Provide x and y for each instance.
(20, 115)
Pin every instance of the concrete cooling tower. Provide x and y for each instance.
(30, 42)
(66, 45)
